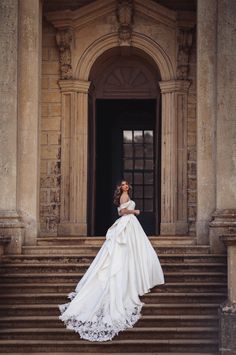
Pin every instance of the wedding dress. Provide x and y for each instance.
(106, 299)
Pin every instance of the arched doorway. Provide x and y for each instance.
(124, 136)
(76, 93)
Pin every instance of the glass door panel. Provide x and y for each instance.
(138, 166)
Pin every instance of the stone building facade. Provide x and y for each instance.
(178, 63)
(51, 56)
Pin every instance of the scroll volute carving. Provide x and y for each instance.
(64, 40)
(125, 13)
(185, 40)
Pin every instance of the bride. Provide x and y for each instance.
(106, 299)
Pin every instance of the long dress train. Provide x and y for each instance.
(106, 299)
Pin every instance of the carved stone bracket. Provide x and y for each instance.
(125, 13)
(64, 40)
(185, 40)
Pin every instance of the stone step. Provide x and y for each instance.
(87, 258)
(167, 297)
(133, 333)
(175, 276)
(98, 241)
(82, 267)
(115, 353)
(145, 321)
(183, 346)
(67, 287)
(148, 309)
(93, 250)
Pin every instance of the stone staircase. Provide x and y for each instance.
(180, 317)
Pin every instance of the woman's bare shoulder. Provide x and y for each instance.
(124, 198)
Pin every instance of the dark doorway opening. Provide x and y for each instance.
(127, 146)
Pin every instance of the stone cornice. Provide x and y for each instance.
(89, 13)
(174, 86)
(74, 86)
(82, 16)
(157, 12)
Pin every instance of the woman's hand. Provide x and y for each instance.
(137, 212)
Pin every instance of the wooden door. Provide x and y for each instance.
(127, 147)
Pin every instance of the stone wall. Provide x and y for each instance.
(191, 141)
(51, 120)
(50, 134)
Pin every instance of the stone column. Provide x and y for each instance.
(10, 224)
(29, 68)
(225, 214)
(206, 116)
(174, 157)
(228, 309)
(73, 213)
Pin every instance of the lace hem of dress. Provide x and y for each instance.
(99, 330)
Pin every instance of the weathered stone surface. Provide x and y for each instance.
(28, 115)
(226, 105)
(222, 222)
(227, 315)
(206, 114)
(4, 240)
(51, 127)
(8, 103)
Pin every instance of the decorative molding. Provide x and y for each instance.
(175, 85)
(74, 86)
(140, 41)
(185, 40)
(223, 221)
(125, 14)
(157, 13)
(89, 13)
(64, 39)
(81, 17)
(126, 79)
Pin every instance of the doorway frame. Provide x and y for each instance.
(174, 93)
(92, 160)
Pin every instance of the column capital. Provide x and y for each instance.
(74, 86)
(169, 86)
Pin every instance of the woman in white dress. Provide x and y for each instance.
(106, 299)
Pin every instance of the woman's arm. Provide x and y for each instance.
(123, 199)
(125, 211)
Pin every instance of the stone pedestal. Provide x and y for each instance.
(4, 241)
(227, 310)
(12, 229)
(222, 222)
(174, 157)
(73, 213)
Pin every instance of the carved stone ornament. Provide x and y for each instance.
(125, 12)
(185, 46)
(64, 39)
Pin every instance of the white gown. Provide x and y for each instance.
(106, 299)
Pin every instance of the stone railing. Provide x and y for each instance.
(228, 309)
